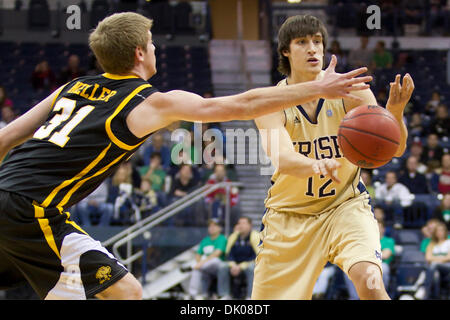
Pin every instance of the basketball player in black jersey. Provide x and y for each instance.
(78, 136)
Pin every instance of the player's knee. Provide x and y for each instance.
(127, 288)
(368, 281)
(133, 290)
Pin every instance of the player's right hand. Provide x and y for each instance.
(340, 85)
(327, 167)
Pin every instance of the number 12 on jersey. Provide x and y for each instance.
(321, 191)
(61, 137)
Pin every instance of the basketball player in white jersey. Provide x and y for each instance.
(317, 209)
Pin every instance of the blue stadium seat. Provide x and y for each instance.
(412, 256)
(416, 215)
(407, 237)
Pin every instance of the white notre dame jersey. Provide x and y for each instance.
(315, 194)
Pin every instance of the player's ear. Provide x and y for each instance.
(139, 54)
(285, 53)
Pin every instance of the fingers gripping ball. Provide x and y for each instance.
(369, 136)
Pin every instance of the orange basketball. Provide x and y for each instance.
(369, 136)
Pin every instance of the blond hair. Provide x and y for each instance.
(116, 38)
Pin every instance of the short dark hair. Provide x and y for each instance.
(246, 218)
(391, 171)
(296, 27)
(155, 155)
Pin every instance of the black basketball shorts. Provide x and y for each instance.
(44, 247)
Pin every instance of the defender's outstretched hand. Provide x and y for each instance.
(340, 85)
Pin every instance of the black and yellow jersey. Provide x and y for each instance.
(82, 142)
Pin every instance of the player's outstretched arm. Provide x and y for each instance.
(278, 146)
(23, 128)
(160, 109)
(399, 95)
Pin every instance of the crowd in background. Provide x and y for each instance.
(158, 174)
(151, 179)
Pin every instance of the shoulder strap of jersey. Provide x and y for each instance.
(116, 126)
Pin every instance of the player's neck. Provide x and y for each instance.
(301, 77)
(141, 72)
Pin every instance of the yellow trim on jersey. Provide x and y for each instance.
(81, 182)
(57, 95)
(124, 102)
(82, 173)
(45, 227)
(117, 76)
(73, 223)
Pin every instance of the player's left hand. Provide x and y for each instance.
(400, 93)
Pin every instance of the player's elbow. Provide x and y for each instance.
(5, 143)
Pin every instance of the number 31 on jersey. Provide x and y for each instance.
(61, 137)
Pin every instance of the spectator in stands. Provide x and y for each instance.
(94, 209)
(413, 180)
(71, 71)
(416, 127)
(361, 57)
(382, 58)
(149, 199)
(416, 150)
(217, 199)
(4, 100)
(414, 11)
(432, 175)
(209, 256)
(121, 194)
(438, 16)
(393, 197)
(441, 122)
(43, 77)
(242, 247)
(366, 177)
(157, 145)
(323, 282)
(378, 212)
(335, 49)
(183, 183)
(432, 104)
(432, 152)
(427, 230)
(8, 115)
(390, 10)
(387, 253)
(154, 172)
(442, 212)
(438, 257)
(444, 176)
(94, 68)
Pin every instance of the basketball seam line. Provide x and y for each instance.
(368, 132)
(368, 113)
(378, 160)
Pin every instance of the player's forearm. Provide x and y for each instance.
(295, 164)
(257, 102)
(403, 132)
